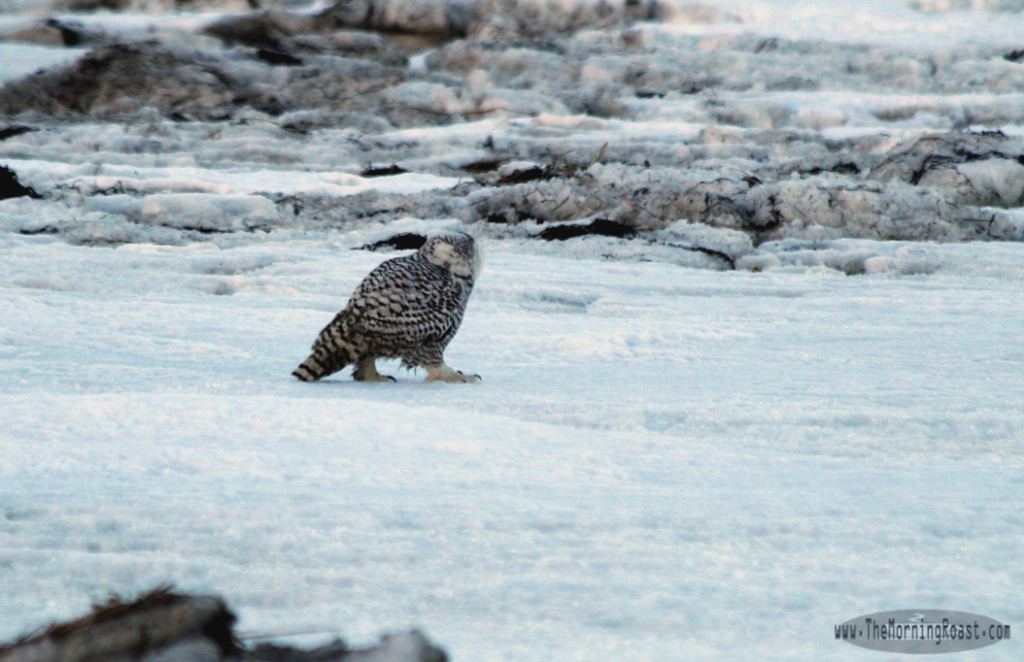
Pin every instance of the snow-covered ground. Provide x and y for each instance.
(663, 462)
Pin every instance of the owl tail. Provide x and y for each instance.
(318, 366)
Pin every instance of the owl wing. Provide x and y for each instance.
(407, 300)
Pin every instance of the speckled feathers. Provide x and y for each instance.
(408, 307)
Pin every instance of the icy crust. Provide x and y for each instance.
(521, 116)
(940, 187)
(558, 54)
(122, 80)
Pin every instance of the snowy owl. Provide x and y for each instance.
(408, 307)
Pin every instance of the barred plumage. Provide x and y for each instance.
(408, 307)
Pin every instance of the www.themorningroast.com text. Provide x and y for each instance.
(873, 629)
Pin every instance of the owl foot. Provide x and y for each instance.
(445, 373)
(366, 371)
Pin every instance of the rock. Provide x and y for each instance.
(10, 187)
(409, 646)
(142, 629)
(124, 78)
(165, 626)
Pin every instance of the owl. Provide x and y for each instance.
(408, 307)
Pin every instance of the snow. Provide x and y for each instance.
(23, 59)
(708, 442)
(660, 461)
(869, 22)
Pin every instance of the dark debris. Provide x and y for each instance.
(386, 171)
(398, 242)
(601, 227)
(14, 130)
(10, 187)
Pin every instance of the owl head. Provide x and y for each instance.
(457, 252)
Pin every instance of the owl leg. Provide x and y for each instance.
(366, 371)
(445, 373)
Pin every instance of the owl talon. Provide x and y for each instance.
(445, 373)
(378, 378)
(366, 371)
